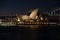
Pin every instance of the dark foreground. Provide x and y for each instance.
(26, 33)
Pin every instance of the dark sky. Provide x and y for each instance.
(17, 6)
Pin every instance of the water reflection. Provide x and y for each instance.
(29, 32)
(32, 26)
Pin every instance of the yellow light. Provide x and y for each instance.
(36, 17)
(41, 18)
(18, 19)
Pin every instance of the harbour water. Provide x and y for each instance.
(31, 32)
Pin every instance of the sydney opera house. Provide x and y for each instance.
(34, 17)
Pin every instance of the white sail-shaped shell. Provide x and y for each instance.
(33, 14)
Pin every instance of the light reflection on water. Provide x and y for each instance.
(25, 32)
(33, 26)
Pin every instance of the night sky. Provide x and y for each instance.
(18, 6)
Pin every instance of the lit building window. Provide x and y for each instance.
(18, 19)
(36, 17)
(41, 18)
